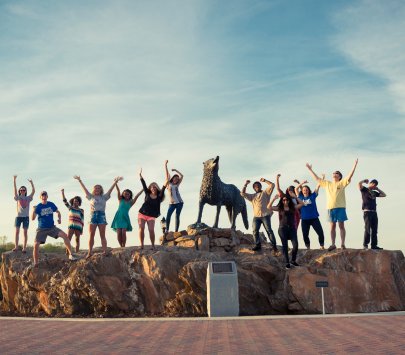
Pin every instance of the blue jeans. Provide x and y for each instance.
(172, 207)
(257, 222)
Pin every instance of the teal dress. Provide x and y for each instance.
(121, 218)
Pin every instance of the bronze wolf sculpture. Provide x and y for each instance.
(216, 193)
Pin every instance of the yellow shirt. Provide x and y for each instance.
(260, 200)
(335, 193)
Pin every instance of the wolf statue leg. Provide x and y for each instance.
(200, 211)
(217, 216)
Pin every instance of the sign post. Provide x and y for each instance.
(322, 285)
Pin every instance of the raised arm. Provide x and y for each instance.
(136, 197)
(316, 177)
(118, 178)
(318, 186)
(382, 193)
(279, 191)
(298, 188)
(118, 192)
(167, 170)
(65, 201)
(349, 177)
(360, 184)
(32, 187)
(145, 188)
(247, 182)
(82, 185)
(15, 186)
(270, 204)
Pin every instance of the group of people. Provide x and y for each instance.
(149, 211)
(297, 204)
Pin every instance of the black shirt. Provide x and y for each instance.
(369, 199)
(151, 206)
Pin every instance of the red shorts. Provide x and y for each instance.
(144, 217)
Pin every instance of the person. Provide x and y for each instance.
(336, 201)
(176, 202)
(98, 220)
(261, 212)
(23, 211)
(287, 228)
(76, 218)
(309, 213)
(369, 207)
(150, 209)
(121, 222)
(291, 192)
(46, 226)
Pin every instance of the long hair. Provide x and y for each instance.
(159, 190)
(309, 190)
(23, 187)
(171, 180)
(280, 204)
(101, 188)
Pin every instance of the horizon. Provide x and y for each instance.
(101, 89)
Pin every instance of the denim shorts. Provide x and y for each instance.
(25, 221)
(337, 215)
(98, 217)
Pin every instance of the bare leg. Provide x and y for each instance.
(151, 228)
(16, 238)
(124, 237)
(66, 240)
(77, 235)
(25, 239)
(119, 236)
(101, 228)
(35, 253)
(69, 235)
(141, 224)
(92, 230)
(333, 232)
(342, 233)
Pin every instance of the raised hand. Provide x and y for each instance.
(309, 166)
(247, 182)
(30, 181)
(140, 173)
(262, 179)
(15, 177)
(76, 177)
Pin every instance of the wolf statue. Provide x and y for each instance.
(216, 193)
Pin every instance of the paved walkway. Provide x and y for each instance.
(371, 334)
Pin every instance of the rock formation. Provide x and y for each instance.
(171, 281)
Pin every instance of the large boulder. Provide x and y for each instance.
(171, 281)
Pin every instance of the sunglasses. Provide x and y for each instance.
(285, 199)
(22, 190)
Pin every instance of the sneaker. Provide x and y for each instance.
(294, 263)
(343, 247)
(288, 266)
(307, 246)
(257, 247)
(376, 248)
(275, 252)
(322, 247)
(365, 247)
(72, 258)
(332, 247)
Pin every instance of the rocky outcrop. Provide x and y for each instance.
(171, 281)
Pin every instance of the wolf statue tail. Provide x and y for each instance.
(245, 216)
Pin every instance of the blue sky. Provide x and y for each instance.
(102, 88)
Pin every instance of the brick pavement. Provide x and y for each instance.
(373, 334)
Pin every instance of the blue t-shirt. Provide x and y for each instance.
(309, 210)
(45, 214)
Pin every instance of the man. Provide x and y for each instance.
(46, 226)
(336, 202)
(261, 214)
(369, 207)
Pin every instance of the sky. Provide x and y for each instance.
(102, 88)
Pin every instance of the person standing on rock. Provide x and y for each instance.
(261, 213)
(150, 209)
(98, 201)
(336, 201)
(121, 222)
(309, 213)
(176, 202)
(76, 218)
(287, 228)
(369, 206)
(23, 211)
(291, 192)
(46, 226)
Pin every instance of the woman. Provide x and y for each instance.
(176, 203)
(286, 211)
(121, 222)
(97, 212)
(23, 209)
(290, 192)
(309, 213)
(76, 218)
(150, 209)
